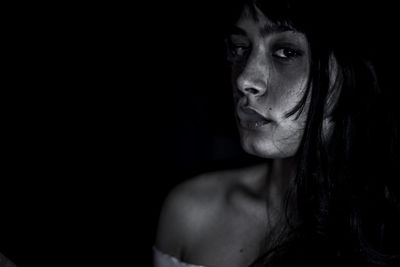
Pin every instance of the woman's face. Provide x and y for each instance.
(270, 68)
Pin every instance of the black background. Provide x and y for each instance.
(106, 108)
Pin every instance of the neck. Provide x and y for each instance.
(272, 178)
(279, 176)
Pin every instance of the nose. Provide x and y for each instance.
(253, 80)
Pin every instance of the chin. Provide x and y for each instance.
(266, 148)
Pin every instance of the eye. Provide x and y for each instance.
(287, 53)
(238, 48)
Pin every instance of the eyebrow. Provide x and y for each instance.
(275, 28)
(235, 30)
(268, 28)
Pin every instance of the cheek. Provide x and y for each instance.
(291, 132)
(286, 92)
(281, 142)
(289, 135)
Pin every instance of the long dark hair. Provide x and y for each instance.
(346, 190)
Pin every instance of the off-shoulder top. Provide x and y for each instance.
(5, 262)
(161, 259)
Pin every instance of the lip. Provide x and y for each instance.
(251, 118)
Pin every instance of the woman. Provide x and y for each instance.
(308, 102)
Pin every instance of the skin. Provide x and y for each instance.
(227, 218)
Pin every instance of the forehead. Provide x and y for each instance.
(253, 20)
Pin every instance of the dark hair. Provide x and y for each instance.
(347, 196)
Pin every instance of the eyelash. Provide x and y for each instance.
(240, 51)
(293, 53)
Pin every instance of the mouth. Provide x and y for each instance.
(253, 125)
(252, 119)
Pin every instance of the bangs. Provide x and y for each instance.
(282, 13)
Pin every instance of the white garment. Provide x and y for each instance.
(161, 259)
(5, 262)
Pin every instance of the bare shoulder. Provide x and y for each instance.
(191, 207)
